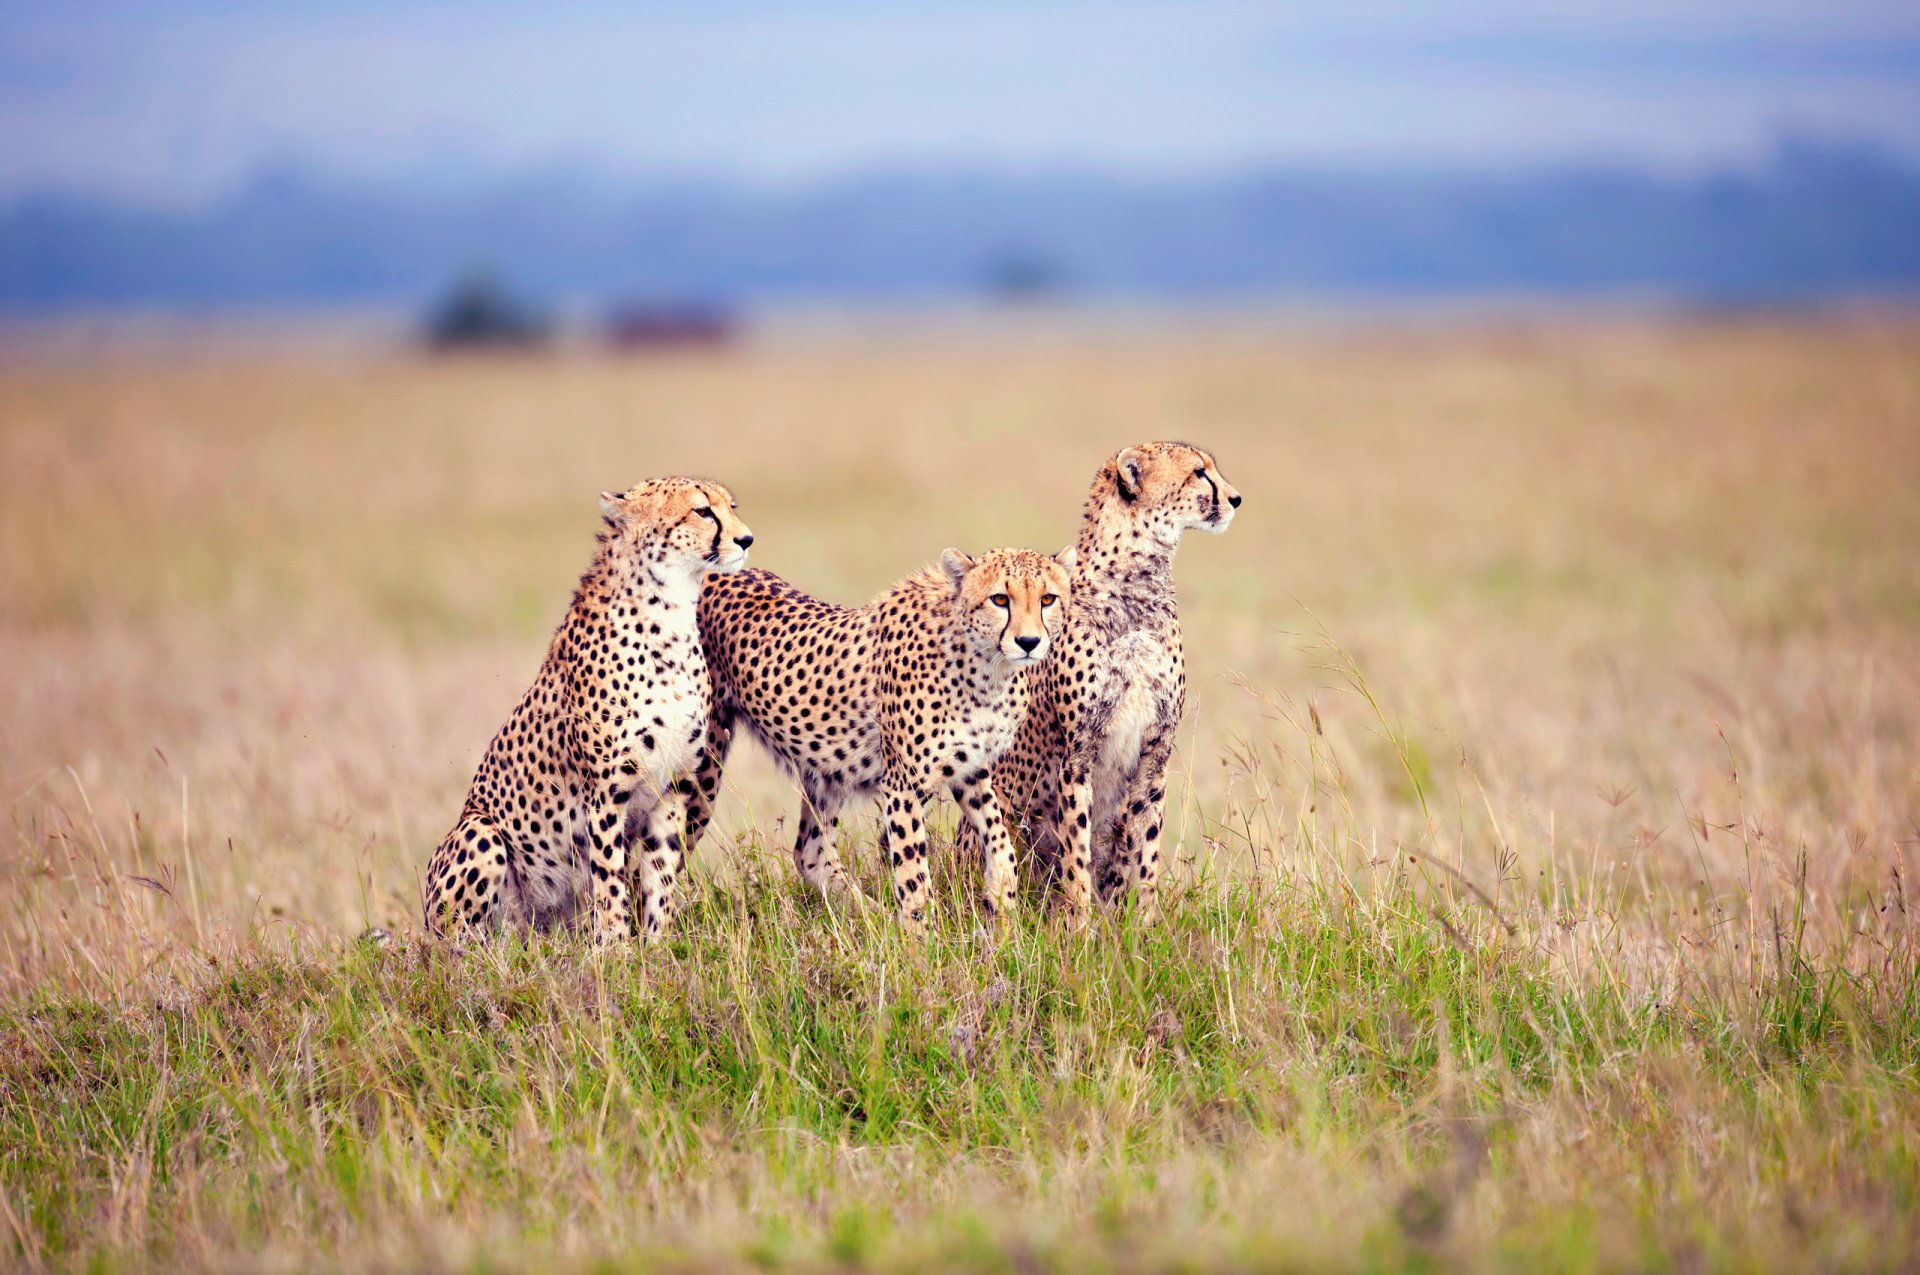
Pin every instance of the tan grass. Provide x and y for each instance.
(1607, 634)
(1591, 574)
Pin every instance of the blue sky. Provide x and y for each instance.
(181, 101)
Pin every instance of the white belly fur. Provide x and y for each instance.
(1141, 665)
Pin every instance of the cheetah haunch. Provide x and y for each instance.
(596, 753)
(921, 688)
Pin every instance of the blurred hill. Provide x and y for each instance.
(1813, 221)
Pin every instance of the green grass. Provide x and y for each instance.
(1283, 1074)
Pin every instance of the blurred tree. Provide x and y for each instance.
(478, 313)
(1018, 274)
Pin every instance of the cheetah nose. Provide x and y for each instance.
(745, 542)
(1026, 643)
(1234, 500)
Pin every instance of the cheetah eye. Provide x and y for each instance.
(999, 600)
(1200, 472)
(1048, 599)
(706, 511)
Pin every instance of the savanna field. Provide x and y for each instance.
(1546, 821)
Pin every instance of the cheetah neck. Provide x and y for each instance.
(647, 589)
(1124, 573)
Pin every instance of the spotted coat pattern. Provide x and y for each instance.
(920, 689)
(597, 755)
(1085, 781)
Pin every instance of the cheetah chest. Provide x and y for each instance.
(663, 710)
(986, 732)
(667, 722)
(665, 733)
(1142, 677)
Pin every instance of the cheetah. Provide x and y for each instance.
(597, 752)
(1085, 781)
(919, 689)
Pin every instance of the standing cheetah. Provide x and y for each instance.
(921, 688)
(1086, 779)
(595, 751)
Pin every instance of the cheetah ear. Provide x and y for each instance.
(1068, 557)
(1128, 470)
(612, 506)
(956, 565)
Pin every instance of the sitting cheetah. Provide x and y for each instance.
(922, 687)
(1086, 779)
(595, 752)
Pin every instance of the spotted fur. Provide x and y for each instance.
(597, 753)
(1085, 780)
(920, 689)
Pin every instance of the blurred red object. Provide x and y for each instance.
(671, 326)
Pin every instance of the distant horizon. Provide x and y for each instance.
(1816, 221)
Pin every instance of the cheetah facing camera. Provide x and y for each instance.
(1086, 779)
(595, 753)
(919, 689)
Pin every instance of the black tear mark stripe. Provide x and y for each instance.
(1215, 489)
(713, 550)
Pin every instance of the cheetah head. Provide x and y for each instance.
(1013, 602)
(687, 523)
(1172, 488)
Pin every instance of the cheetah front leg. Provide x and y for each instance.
(702, 789)
(969, 852)
(1136, 852)
(974, 793)
(661, 860)
(606, 831)
(815, 853)
(1075, 835)
(904, 841)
